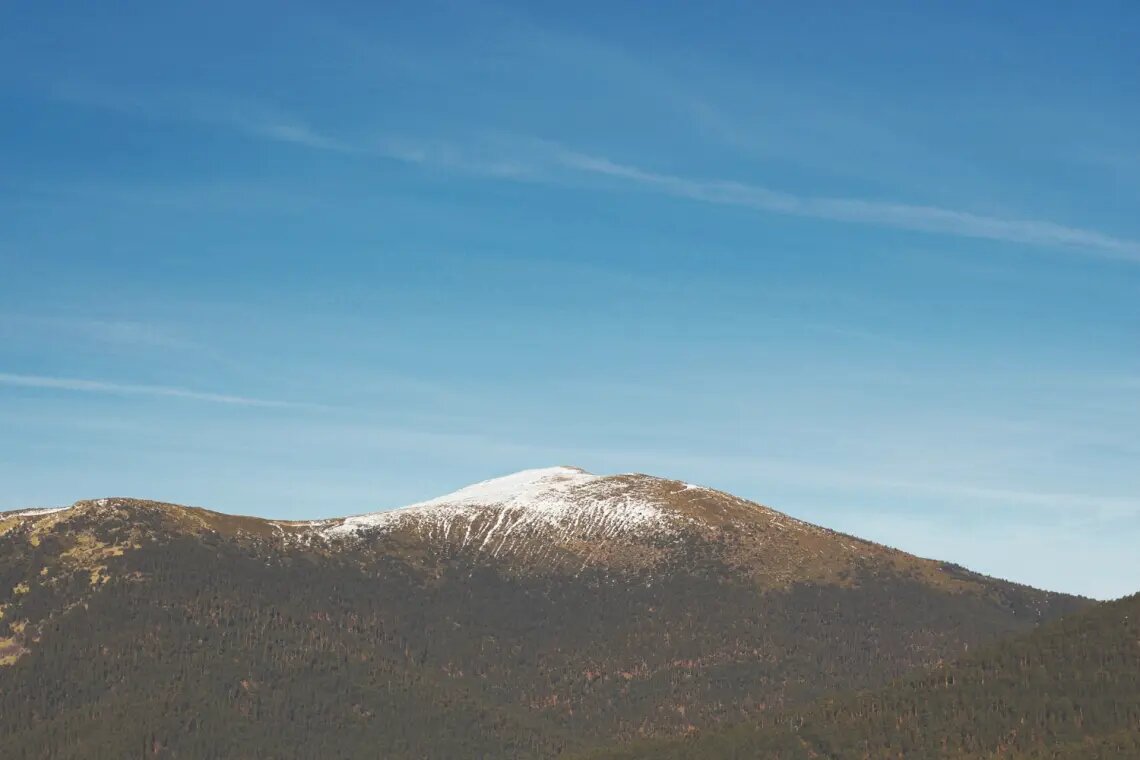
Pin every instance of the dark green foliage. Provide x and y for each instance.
(1069, 690)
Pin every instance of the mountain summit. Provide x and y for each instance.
(559, 503)
(563, 515)
(524, 616)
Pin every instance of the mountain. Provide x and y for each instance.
(547, 611)
(1067, 691)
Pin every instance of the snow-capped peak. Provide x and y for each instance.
(558, 503)
(521, 488)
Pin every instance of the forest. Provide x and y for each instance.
(1066, 691)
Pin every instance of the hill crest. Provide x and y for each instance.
(554, 519)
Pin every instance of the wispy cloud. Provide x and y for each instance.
(881, 213)
(128, 389)
(536, 160)
(542, 161)
(539, 160)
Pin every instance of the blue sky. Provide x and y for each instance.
(878, 267)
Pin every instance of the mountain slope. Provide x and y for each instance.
(520, 617)
(1070, 689)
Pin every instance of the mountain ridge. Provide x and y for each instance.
(584, 513)
(550, 624)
